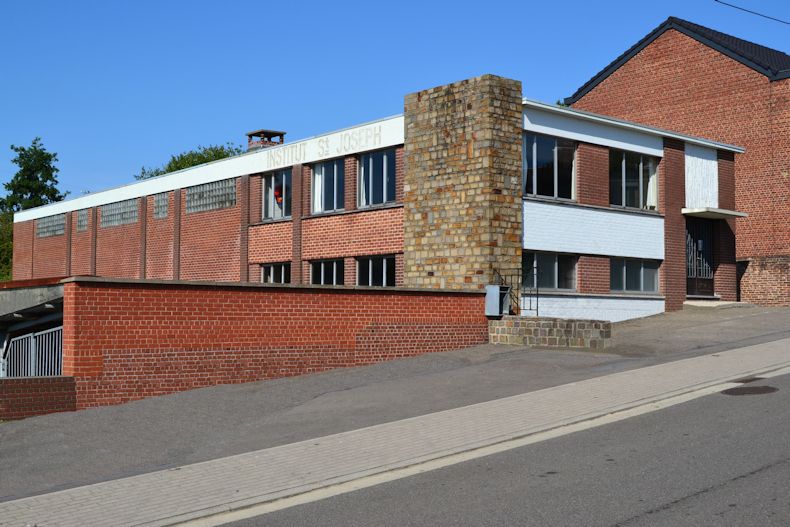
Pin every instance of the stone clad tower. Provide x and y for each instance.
(462, 185)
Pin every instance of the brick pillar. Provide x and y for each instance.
(297, 208)
(143, 235)
(593, 275)
(350, 197)
(244, 228)
(177, 197)
(68, 218)
(593, 162)
(672, 175)
(462, 184)
(725, 277)
(94, 225)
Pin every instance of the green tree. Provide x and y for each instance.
(33, 185)
(191, 158)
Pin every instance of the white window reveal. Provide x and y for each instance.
(634, 276)
(161, 203)
(326, 272)
(548, 271)
(377, 271)
(278, 273)
(328, 186)
(702, 177)
(376, 178)
(51, 226)
(210, 196)
(633, 181)
(549, 166)
(277, 195)
(118, 213)
(82, 220)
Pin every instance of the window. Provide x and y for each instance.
(632, 180)
(327, 272)
(119, 213)
(82, 220)
(51, 226)
(328, 185)
(376, 271)
(277, 195)
(161, 203)
(634, 275)
(376, 178)
(548, 270)
(279, 273)
(210, 196)
(549, 166)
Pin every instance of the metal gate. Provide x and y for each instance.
(699, 257)
(34, 355)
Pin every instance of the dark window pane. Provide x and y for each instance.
(565, 153)
(378, 178)
(616, 274)
(329, 186)
(315, 274)
(527, 269)
(615, 177)
(378, 271)
(547, 277)
(633, 275)
(339, 274)
(632, 179)
(390, 272)
(650, 277)
(328, 273)
(267, 197)
(363, 269)
(545, 166)
(287, 187)
(287, 279)
(529, 158)
(391, 175)
(566, 271)
(340, 168)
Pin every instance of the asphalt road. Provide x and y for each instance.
(719, 460)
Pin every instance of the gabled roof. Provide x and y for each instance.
(772, 63)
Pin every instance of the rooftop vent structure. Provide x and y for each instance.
(264, 139)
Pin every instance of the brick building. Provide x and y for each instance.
(699, 81)
(472, 183)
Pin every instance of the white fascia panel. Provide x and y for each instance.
(565, 125)
(563, 228)
(613, 309)
(702, 177)
(383, 133)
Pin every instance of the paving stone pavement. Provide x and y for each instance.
(192, 491)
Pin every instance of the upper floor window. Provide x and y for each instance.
(51, 226)
(329, 185)
(209, 196)
(376, 271)
(549, 166)
(548, 270)
(118, 213)
(326, 272)
(376, 178)
(277, 195)
(634, 275)
(632, 180)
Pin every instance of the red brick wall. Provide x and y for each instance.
(128, 341)
(25, 397)
(725, 278)
(159, 241)
(210, 242)
(118, 249)
(680, 84)
(22, 267)
(49, 256)
(81, 246)
(593, 275)
(765, 278)
(671, 175)
(592, 169)
(271, 242)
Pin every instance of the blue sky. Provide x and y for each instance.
(114, 85)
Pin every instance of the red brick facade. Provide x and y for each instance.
(678, 83)
(128, 341)
(28, 396)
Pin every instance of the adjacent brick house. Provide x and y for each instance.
(686, 77)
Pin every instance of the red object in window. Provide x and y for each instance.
(278, 195)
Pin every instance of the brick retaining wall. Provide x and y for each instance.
(28, 396)
(550, 332)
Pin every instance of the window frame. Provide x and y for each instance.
(339, 197)
(624, 276)
(285, 173)
(322, 263)
(387, 260)
(361, 174)
(533, 192)
(556, 255)
(623, 186)
(269, 269)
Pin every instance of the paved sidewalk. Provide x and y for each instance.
(191, 491)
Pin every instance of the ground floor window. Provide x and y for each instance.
(278, 273)
(635, 276)
(326, 272)
(548, 270)
(376, 271)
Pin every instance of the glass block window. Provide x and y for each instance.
(160, 205)
(119, 213)
(210, 196)
(82, 220)
(51, 226)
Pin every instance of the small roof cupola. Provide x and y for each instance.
(264, 138)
